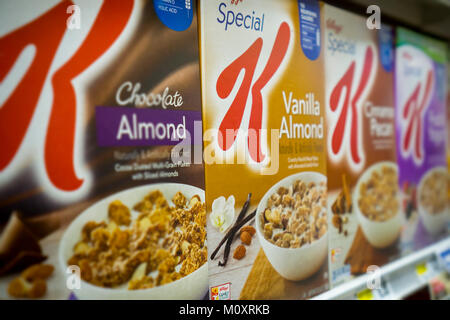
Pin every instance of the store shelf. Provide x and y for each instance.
(398, 279)
(429, 16)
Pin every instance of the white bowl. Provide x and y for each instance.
(190, 287)
(380, 234)
(293, 263)
(434, 223)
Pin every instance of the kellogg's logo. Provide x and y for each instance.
(407, 56)
(45, 35)
(413, 117)
(331, 24)
(337, 43)
(221, 292)
(226, 82)
(346, 105)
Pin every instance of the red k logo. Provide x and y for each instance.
(413, 112)
(227, 80)
(348, 117)
(46, 33)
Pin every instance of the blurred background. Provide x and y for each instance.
(430, 16)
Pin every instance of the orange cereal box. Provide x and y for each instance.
(264, 148)
(365, 216)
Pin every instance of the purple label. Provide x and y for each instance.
(421, 140)
(125, 126)
(421, 118)
(72, 296)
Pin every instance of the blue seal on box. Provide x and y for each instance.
(386, 47)
(175, 14)
(309, 15)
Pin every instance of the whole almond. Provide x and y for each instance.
(239, 252)
(248, 229)
(246, 238)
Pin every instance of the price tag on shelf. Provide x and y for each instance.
(427, 269)
(365, 294)
(421, 269)
(444, 257)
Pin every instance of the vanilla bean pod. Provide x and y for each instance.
(244, 221)
(231, 237)
(244, 208)
(227, 235)
(241, 215)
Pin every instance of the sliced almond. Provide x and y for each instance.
(144, 224)
(140, 272)
(82, 248)
(112, 226)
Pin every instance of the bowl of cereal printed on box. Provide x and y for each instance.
(432, 200)
(147, 242)
(291, 222)
(376, 201)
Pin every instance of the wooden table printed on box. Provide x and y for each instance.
(264, 283)
(362, 254)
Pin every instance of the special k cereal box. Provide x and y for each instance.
(420, 90)
(365, 216)
(264, 148)
(448, 138)
(100, 122)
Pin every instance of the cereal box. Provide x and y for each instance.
(420, 94)
(448, 139)
(264, 148)
(365, 217)
(100, 119)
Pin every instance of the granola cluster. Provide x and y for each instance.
(164, 243)
(433, 195)
(295, 216)
(378, 199)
